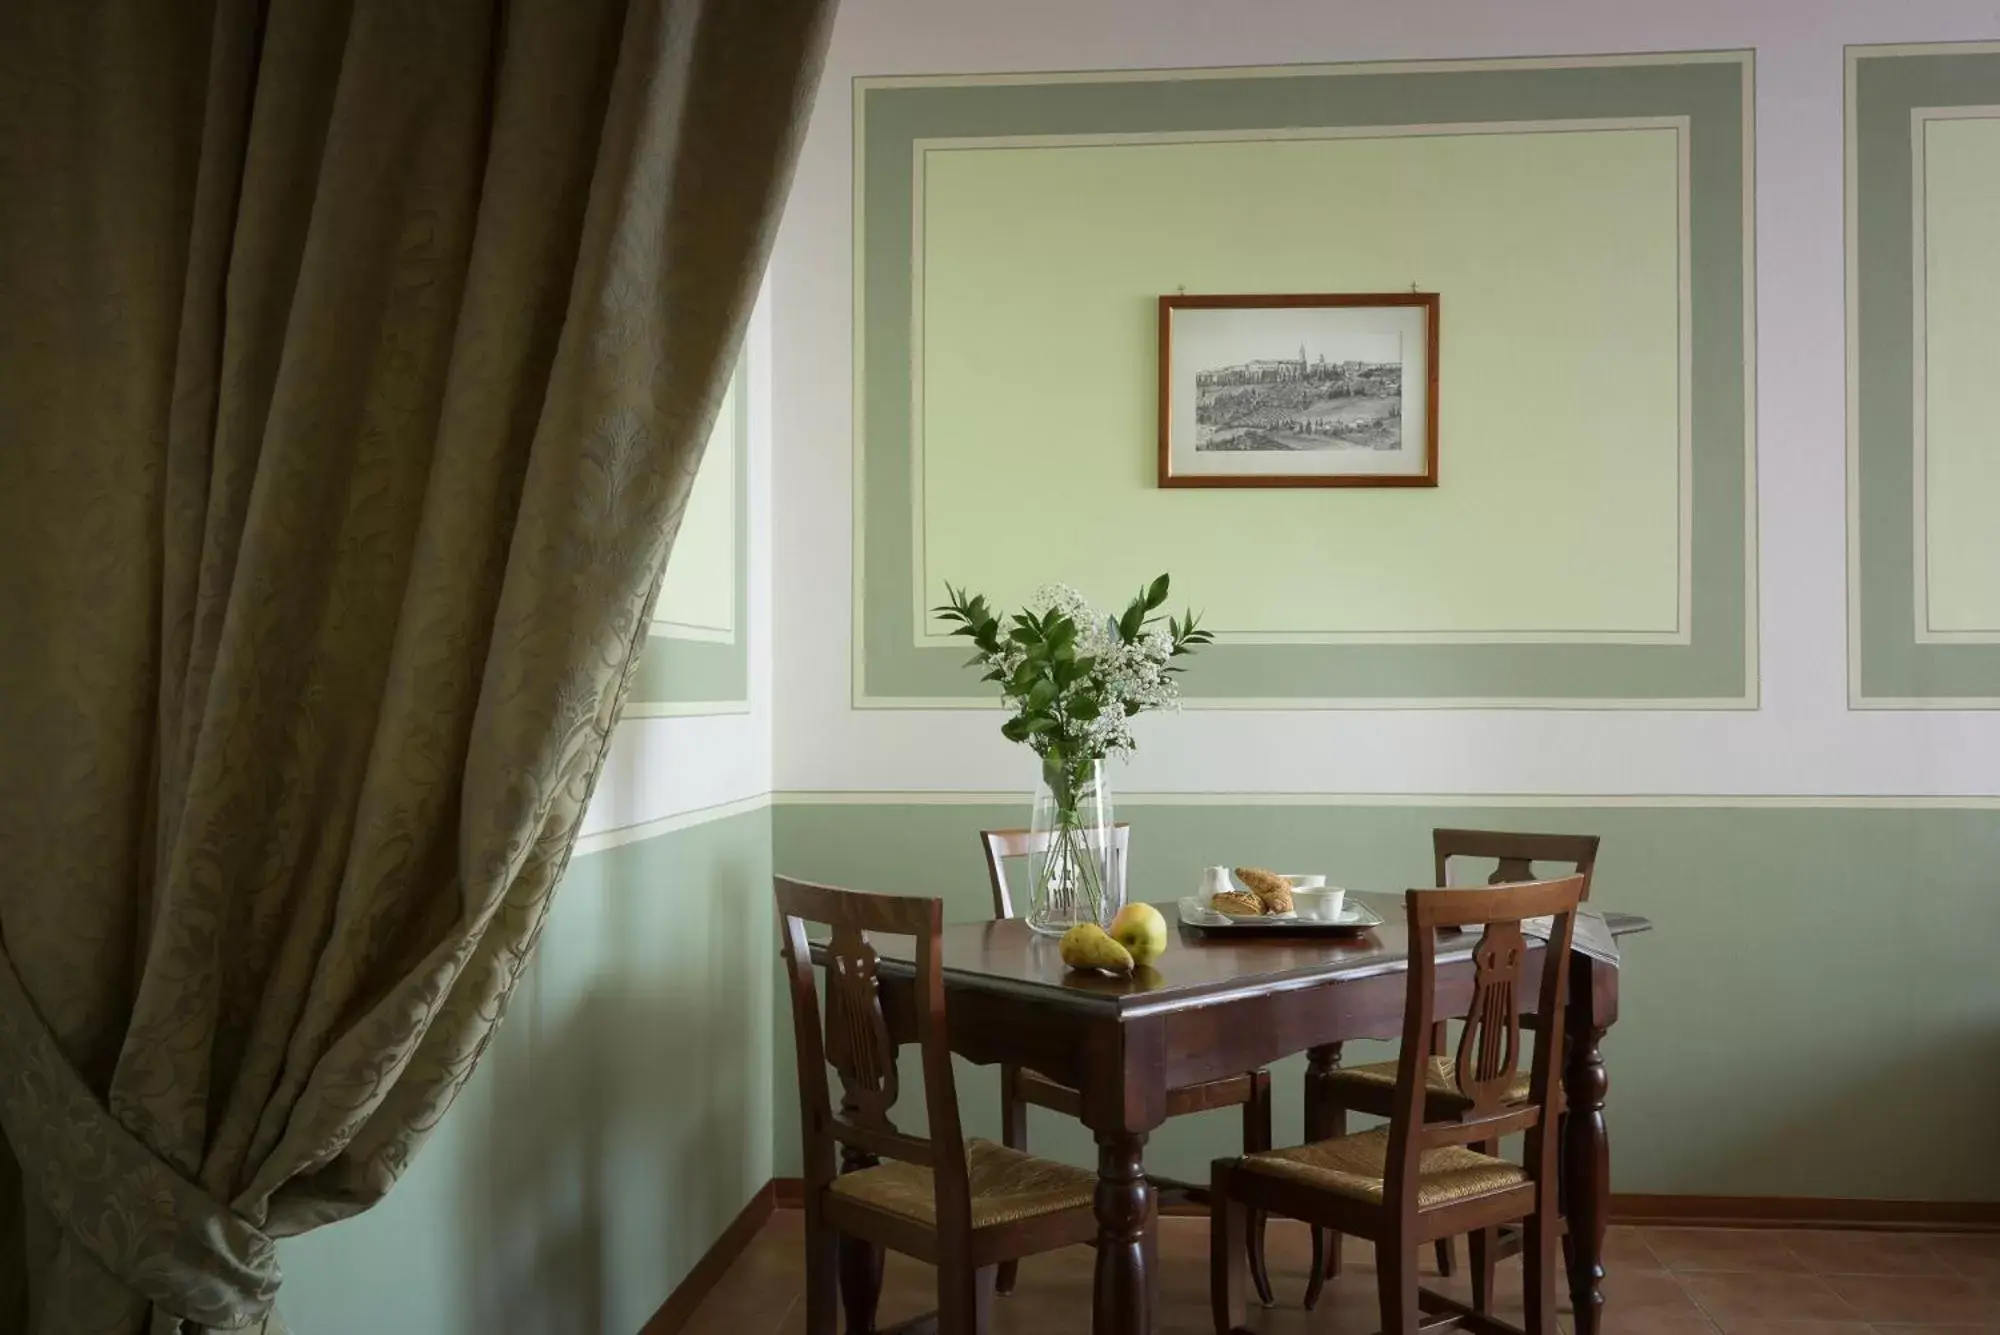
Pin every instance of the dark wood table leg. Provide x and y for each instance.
(1126, 1300)
(1586, 1158)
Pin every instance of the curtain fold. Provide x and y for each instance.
(355, 363)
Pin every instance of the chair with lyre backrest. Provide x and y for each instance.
(1419, 1179)
(1332, 1094)
(964, 1206)
(1020, 1088)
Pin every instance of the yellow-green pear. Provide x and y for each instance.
(1087, 946)
(1142, 931)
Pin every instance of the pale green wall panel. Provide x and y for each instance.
(1714, 668)
(698, 592)
(1961, 390)
(1558, 254)
(1891, 664)
(1809, 970)
(705, 668)
(619, 1122)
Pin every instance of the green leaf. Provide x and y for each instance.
(1156, 593)
(1132, 622)
(1015, 730)
(1084, 708)
(1042, 694)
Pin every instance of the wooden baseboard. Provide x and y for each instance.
(1808, 1212)
(679, 1308)
(1716, 1211)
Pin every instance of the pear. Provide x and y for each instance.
(1088, 946)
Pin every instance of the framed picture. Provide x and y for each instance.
(1302, 390)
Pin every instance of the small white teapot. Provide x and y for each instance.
(1215, 881)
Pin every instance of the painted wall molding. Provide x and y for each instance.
(600, 840)
(899, 120)
(689, 669)
(1769, 801)
(1897, 97)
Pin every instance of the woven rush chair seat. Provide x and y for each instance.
(1440, 1083)
(1007, 1187)
(1356, 1165)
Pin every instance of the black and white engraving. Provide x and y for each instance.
(1304, 403)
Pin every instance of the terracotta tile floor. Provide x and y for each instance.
(1662, 1281)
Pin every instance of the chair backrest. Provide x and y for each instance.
(1515, 853)
(1489, 1046)
(1002, 844)
(859, 1038)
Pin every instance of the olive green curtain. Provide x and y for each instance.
(355, 362)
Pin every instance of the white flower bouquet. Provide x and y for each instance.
(1074, 681)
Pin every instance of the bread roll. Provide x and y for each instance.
(1273, 891)
(1237, 904)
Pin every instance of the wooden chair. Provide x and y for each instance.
(1418, 1179)
(965, 1207)
(1021, 1088)
(1334, 1092)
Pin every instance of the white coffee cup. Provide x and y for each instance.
(1320, 903)
(1304, 880)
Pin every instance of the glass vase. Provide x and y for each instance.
(1076, 869)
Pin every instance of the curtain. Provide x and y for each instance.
(355, 362)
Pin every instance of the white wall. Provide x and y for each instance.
(1803, 740)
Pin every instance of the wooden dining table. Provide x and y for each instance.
(1219, 1003)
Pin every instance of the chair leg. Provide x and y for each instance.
(822, 1276)
(1484, 1248)
(1447, 1256)
(1326, 1252)
(965, 1299)
(1396, 1278)
(1321, 1266)
(1257, 1139)
(860, 1283)
(1228, 1252)
(1538, 1273)
(1014, 1135)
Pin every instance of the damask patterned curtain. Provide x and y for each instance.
(355, 359)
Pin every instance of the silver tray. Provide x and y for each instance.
(1355, 916)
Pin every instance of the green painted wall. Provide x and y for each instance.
(1814, 1015)
(1902, 653)
(697, 658)
(620, 1120)
(1041, 266)
(985, 264)
(1961, 393)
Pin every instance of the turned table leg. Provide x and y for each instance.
(1586, 1157)
(1126, 1298)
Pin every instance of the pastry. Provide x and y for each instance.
(1237, 904)
(1273, 891)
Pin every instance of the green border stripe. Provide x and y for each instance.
(687, 674)
(1892, 664)
(1714, 667)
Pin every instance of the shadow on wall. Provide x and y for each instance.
(618, 1122)
(635, 1124)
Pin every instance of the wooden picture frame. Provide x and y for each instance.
(1357, 407)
